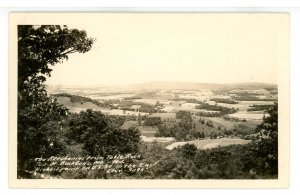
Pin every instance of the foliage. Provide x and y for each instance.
(189, 100)
(167, 130)
(229, 162)
(188, 150)
(148, 108)
(223, 100)
(42, 141)
(185, 129)
(81, 99)
(209, 123)
(256, 160)
(247, 96)
(183, 114)
(38, 48)
(152, 121)
(267, 145)
(208, 114)
(258, 107)
(126, 105)
(41, 46)
(119, 120)
(102, 136)
(221, 109)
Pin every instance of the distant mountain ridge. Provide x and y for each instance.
(164, 85)
(196, 86)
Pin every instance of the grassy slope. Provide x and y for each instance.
(210, 143)
(76, 106)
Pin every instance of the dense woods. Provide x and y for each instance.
(222, 110)
(225, 101)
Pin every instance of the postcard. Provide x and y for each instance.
(149, 100)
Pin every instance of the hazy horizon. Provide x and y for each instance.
(158, 84)
(197, 48)
(147, 82)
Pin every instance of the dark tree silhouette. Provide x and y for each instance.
(39, 47)
(101, 135)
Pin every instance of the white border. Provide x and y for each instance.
(150, 3)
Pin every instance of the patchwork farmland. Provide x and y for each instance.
(170, 115)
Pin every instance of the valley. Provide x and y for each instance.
(176, 114)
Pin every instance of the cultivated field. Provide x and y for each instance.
(158, 139)
(148, 131)
(206, 107)
(111, 97)
(122, 112)
(169, 115)
(248, 115)
(210, 143)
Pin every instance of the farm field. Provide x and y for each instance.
(169, 115)
(218, 121)
(230, 124)
(248, 115)
(148, 131)
(257, 102)
(242, 105)
(210, 143)
(158, 139)
(122, 113)
(111, 97)
(165, 104)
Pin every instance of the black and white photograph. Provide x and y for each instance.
(163, 97)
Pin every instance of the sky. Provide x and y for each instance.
(140, 47)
